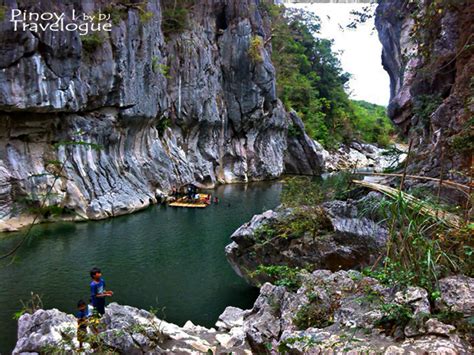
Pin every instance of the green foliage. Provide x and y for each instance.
(394, 314)
(464, 141)
(306, 191)
(294, 131)
(163, 123)
(427, 17)
(311, 221)
(372, 123)
(425, 105)
(158, 67)
(310, 80)
(175, 16)
(29, 306)
(315, 313)
(3, 12)
(255, 49)
(307, 342)
(92, 41)
(265, 233)
(145, 16)
(280, 275)
(301, 191)
(464, 325)
(117, 13)
(421, 249)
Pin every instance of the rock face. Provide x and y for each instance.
(124, 116)
(337, 312)
(342, 241)
(304, 155)
(427, 52)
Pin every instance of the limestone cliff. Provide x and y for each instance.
(428, 53)
(131, 113)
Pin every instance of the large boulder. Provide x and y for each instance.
(457, 295)
(124, 329)
(344, 241)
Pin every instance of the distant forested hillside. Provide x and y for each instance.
(310, 80)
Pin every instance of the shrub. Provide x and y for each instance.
(175, 16)
(30, 306)
(163, 123)
(394, 315)
(91, 42)
(255, 49)
(294, 131)
(280, 275)
(315, 313)
(425, 105)
(117, 13)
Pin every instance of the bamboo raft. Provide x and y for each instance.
(184, 202)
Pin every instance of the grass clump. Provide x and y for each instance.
(302, 221)
(29, 306)
(280, 275)
(422, 248)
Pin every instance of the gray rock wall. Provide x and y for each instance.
(427, 52)
(224, 121)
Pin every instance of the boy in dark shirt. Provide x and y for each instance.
(82, 316)
(98, 292)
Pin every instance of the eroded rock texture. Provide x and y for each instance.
(428, 54)
(336, 238)
(330, 312)
(132, 113)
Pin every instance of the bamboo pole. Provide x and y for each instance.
(450, 219)
(449, 183)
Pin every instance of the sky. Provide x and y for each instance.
(360, 50)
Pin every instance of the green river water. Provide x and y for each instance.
(161, 257)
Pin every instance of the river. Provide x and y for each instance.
(171, 259)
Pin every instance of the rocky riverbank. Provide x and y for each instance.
(342, 311)
(358, 155)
